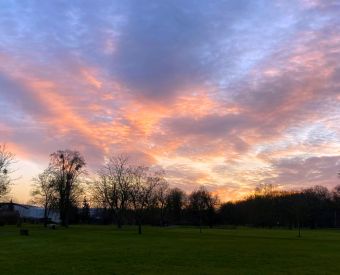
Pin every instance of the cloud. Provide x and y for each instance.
(227, 94)
(300, 172)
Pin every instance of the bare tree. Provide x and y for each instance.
(6, 160)
(100, 190)
(85, 211)
(44, 192)
(336, 202)
(266, 189)
(162, 192)
(142, 194)
(175, 203)
(212, 201)
(67, 167)
(202, 203)
(112, 188)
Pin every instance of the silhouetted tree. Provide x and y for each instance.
(336, 203)
(67, 167)
(85, 211)
(162, 195)
(6, 161)
(113, 187)
(142, 194)
(175, 203)
(298, 204)
(202, 205)
(266, 189)
(229, 213)
(318, 200)
(312, 207)
(44, 192)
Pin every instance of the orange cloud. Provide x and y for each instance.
(90, 78)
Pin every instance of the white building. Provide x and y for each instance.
(34, 212)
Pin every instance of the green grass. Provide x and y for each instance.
(177, 250)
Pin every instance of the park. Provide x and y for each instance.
(169, 137)
(95, 249)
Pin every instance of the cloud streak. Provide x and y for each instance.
(228, 94)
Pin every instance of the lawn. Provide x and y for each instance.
(176, 250)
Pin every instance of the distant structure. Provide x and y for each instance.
(11, 213)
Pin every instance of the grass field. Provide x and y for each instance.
(106, 250)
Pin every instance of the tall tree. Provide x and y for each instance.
(202, 204)
(112, 188)
(318, 199)
(142, 194)
(44, 192)
(175, 203)
(336, 203)
(67, 167)
(85, 211)
(6, 161)
(162, 192)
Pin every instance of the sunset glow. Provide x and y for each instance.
(225, 94)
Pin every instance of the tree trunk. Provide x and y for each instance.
(64, 214)
(45, 216)
(162, 219)
(118, 216)
(139, 218)
(119, 221)
(139, 227)
(67, 204)
(299, 227)
(200, 222)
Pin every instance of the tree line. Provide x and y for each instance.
(122, 192)
(314, 207)
(127, 193)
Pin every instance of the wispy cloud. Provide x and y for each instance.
(226, 93)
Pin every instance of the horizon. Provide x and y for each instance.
(228, 95)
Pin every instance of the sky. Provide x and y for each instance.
(225, 94)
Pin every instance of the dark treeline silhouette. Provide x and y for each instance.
(315, 207)
(126, 193)
(198, 208)
(122, 193)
